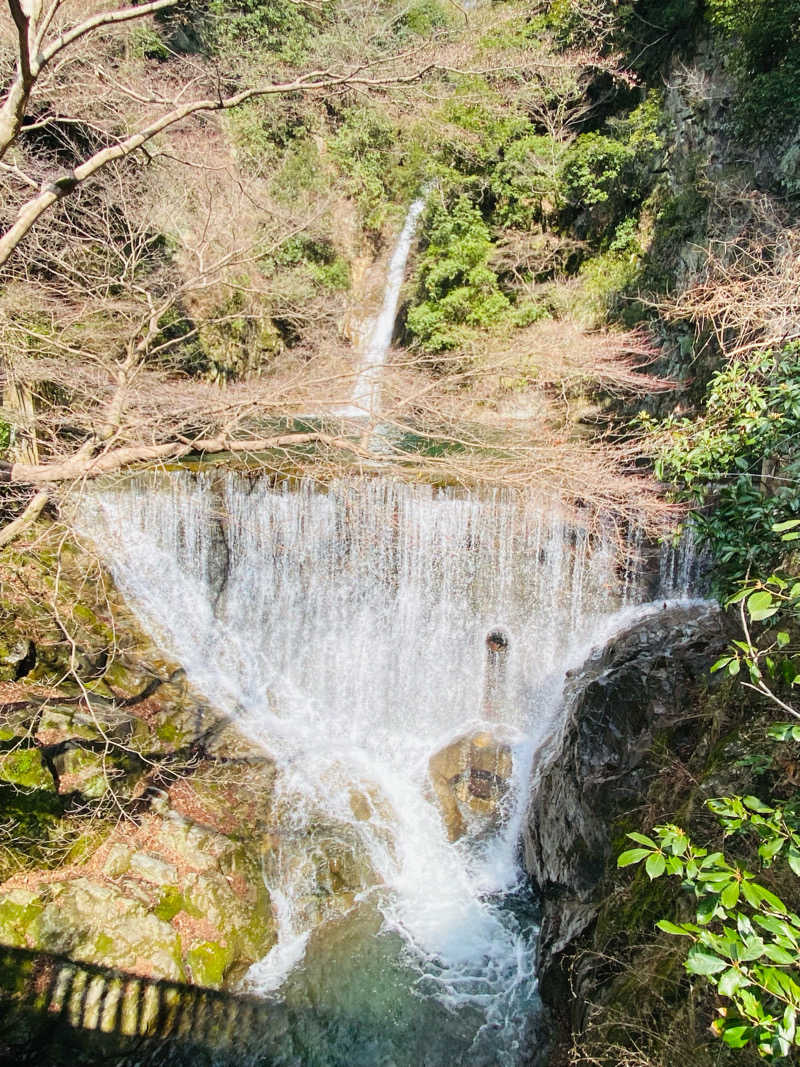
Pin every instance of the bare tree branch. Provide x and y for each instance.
(33, 58)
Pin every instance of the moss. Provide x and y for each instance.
(208, 963)
(87, 843)
(122, 678)
(168, 731)
(103, 946)
(24, 767)
(18, 913)
(170, 902)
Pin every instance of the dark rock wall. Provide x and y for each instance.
(647, 680)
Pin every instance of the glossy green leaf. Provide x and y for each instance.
(642, 839)
(730, 895)
(656, 865)
(723, 661)
(672, 928)
(633, 855)
(699, 961)
(730, 981)
(737, 1036)
(780, 955)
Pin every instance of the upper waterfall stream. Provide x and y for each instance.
(344, 630)
(378, 336)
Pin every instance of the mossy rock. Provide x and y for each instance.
(26, 768)
(208, 962)
(93, 774)
(17, 658)
(96, 922)
(19, 911)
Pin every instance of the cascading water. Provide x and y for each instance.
(344, 630)
(367, 389)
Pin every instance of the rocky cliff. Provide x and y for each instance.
(645, 684)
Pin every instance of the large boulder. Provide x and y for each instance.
(471, 775)
(644, 682)
(164, 898)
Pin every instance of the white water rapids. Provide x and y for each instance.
(344, 630)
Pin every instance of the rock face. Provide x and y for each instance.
(471, 772)
(165, 897)
(645, 681)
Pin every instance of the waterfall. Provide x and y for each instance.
(344, 628)
(367, 389)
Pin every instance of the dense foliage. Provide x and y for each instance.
(764, 42)
(458, 287)
(745, 939)
(738, 462)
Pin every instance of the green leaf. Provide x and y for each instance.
(754, 804)
(723, 661)
(706, 910)
(733, 667)
(780, 731)
(633, 855)
(753, 949)
(737, 1036)
(642, 839)
(760, 605)
(730, 896)
(701, 962)
(672, 928)
(780, 955)
(740, 595)
(782, 527)
(771, 900)
(770, 848)
(793, 859)
(782, 638)
(655, 865)
(751, 894)
(730, 981)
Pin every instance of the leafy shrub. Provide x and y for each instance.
(145, 43)
(424, 17)
(456, 288)
(647, 32)
(278, 26)
(266, 131)
(607, 176)
(319, 258)
(738, 462)
(765, 37)
(525, 180)
(610, 275)
(364, 148)
(745, 941)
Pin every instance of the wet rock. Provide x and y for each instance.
(470, 774)
(643, 682)
(328, 865)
